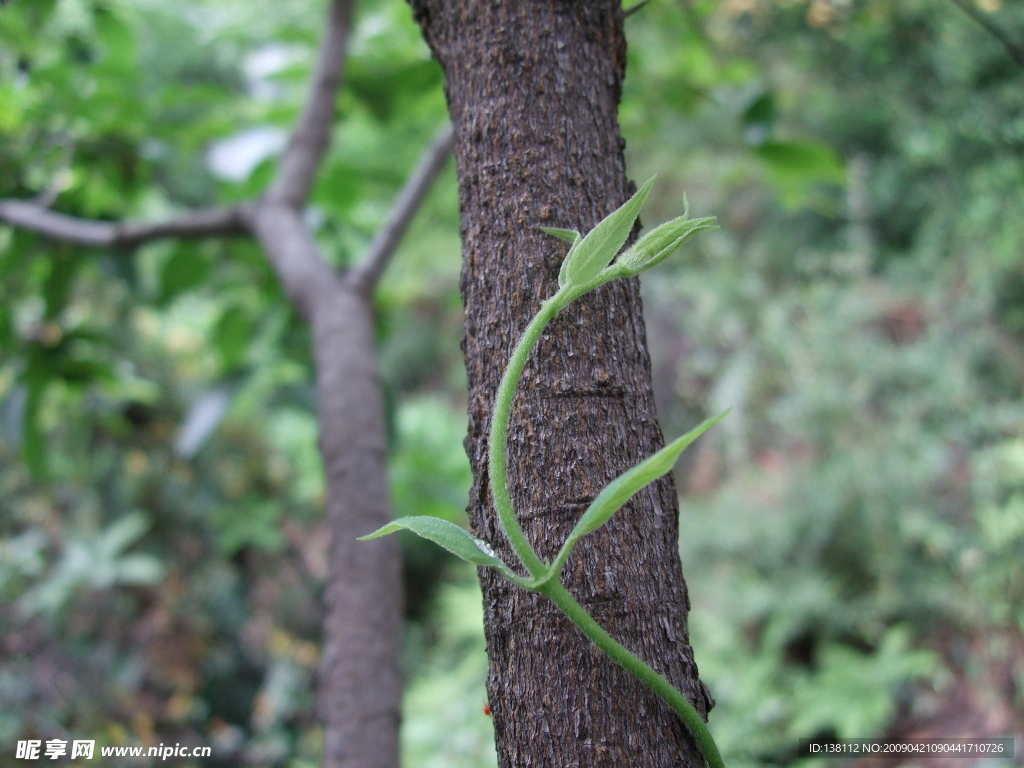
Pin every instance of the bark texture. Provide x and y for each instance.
(533, 90)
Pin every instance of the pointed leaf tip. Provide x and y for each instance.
(627, 485)
(658, 244)
(570, 236)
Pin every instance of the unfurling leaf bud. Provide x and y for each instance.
(570, 236)
(658, 244)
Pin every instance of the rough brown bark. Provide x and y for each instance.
(533, 89)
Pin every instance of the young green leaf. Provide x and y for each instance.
(596, 251)
(625, 486)
(570, 236)
(451, 537)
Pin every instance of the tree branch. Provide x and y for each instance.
(633, 9)
(276, 220)
(1015, 49)
(367, 274)
(219, 222)
(312, 132)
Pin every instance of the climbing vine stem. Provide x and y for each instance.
(587, 265)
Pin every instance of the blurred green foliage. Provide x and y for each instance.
(162, 553)
(839, 537)
(851, 536)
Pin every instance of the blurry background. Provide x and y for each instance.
(852, 534)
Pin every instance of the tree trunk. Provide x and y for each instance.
(533, 89)
(360, 687)
(360, 676)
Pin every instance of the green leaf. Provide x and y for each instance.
(821, 700)
(625, 486)
(596, 251)
(59, 284)
(7, 333)
(118, 40)
(802, 160)
(122, 534)
(186, 269)
(570, 236)
(232, 335)
(451, 537)
(387, 87)
(758, 119)
(760, 110)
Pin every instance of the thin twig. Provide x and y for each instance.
(1015, 49)
(633, 9)
(219, 222)
(367, 274)
(311, 135)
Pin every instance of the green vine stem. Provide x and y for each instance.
(499, 427)
(499, 433)
(587, 265)
(637, 667)
(552, 588)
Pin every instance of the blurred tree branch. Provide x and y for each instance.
(70, 229)
(367, 274)
(312, 132)
(1015, 49)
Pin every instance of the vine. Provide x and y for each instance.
(587, 266)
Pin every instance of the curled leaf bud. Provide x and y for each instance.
(660, 242)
